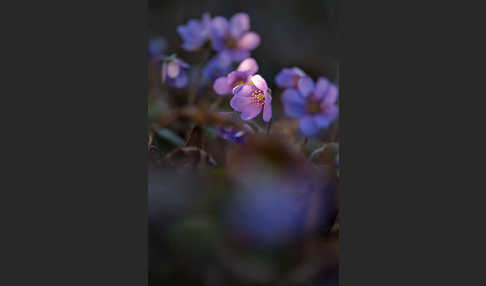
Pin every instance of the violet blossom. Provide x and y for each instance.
(250, 98)
(225, 85)
(173, 72)
(315, 105)
(231, 133)
(217, 66)
(233, 37)
(195, 33)
(289, 77)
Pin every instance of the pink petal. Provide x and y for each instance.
(259, 82)
(221, 86)
(249, 41)
(249, 66)
(267, 108)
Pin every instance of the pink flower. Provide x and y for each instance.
(250, 98)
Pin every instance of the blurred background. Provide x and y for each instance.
(261, 213)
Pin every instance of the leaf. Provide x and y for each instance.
(325, 155)
(169, 136)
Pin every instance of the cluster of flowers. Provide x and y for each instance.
(314, 104)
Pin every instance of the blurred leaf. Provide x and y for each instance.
(326, 155)
(171, 137)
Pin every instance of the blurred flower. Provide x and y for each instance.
(247, 68)
(173, 72)
(289, 77)
(195, 32)
(231, 133)
(156, 47)
(249, 99)
(315, 105)
(233, 37)
(217, 66)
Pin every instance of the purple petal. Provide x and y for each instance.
(179, 81)
(308, 126)
(236, 76)
(250, 111)
(267, 107)
(248, 66)
(173, 69)
(294, 103)
(221, 86)
(244, 90)
(238, 54)
(306, 85)
(286, 78)
(239, 103)
(322, 121)
(259, 82)
(239, 24)
(330, 112)
(331, 96)
(219, 26)
(322, 86)
(249, 41)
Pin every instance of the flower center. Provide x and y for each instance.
(230, 43)
(238, 83)
(258, 97)
(314, 108)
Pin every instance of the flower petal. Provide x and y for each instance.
(308, 126)
(248, 66)
(180, 81)
(221, 86)
(294, 103)
(239, 24)
(306, 85)
(219, 26)
(267, 107)
(331, 95)
(249, 41)
(259, 82)
(236, 76)
(238, 54)
(250, 111)
(173, 69)
(322, 86)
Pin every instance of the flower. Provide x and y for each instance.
(156, 47)
(247, 68)
(315, 105)
(233, 37)
(231, 133)
(289, 77)
(249, 99)
(217, 66)
(195, 33)
(173, 72)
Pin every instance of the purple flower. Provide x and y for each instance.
(217, 66)
(231, 133)
(247, 68)
(315, 105)
(156, 47)
(250, 98)
(195, 32)
(289, 77)
(233, 37)
(173, 72)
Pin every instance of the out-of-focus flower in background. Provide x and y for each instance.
(315, 105)
(173, 72)
(156, 47)
(242, 75)
(289, 77)
(250, 98)
(233, 37)
(218, 66)
(231, 133)
(195, 33)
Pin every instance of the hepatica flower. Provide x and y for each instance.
(156, 47)
(315, 105)
(195, 33)
(289, 77)
(231, 133)
(250, 98)
(217, 66)
(225, 85)
(173, 72)
(233, 36)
